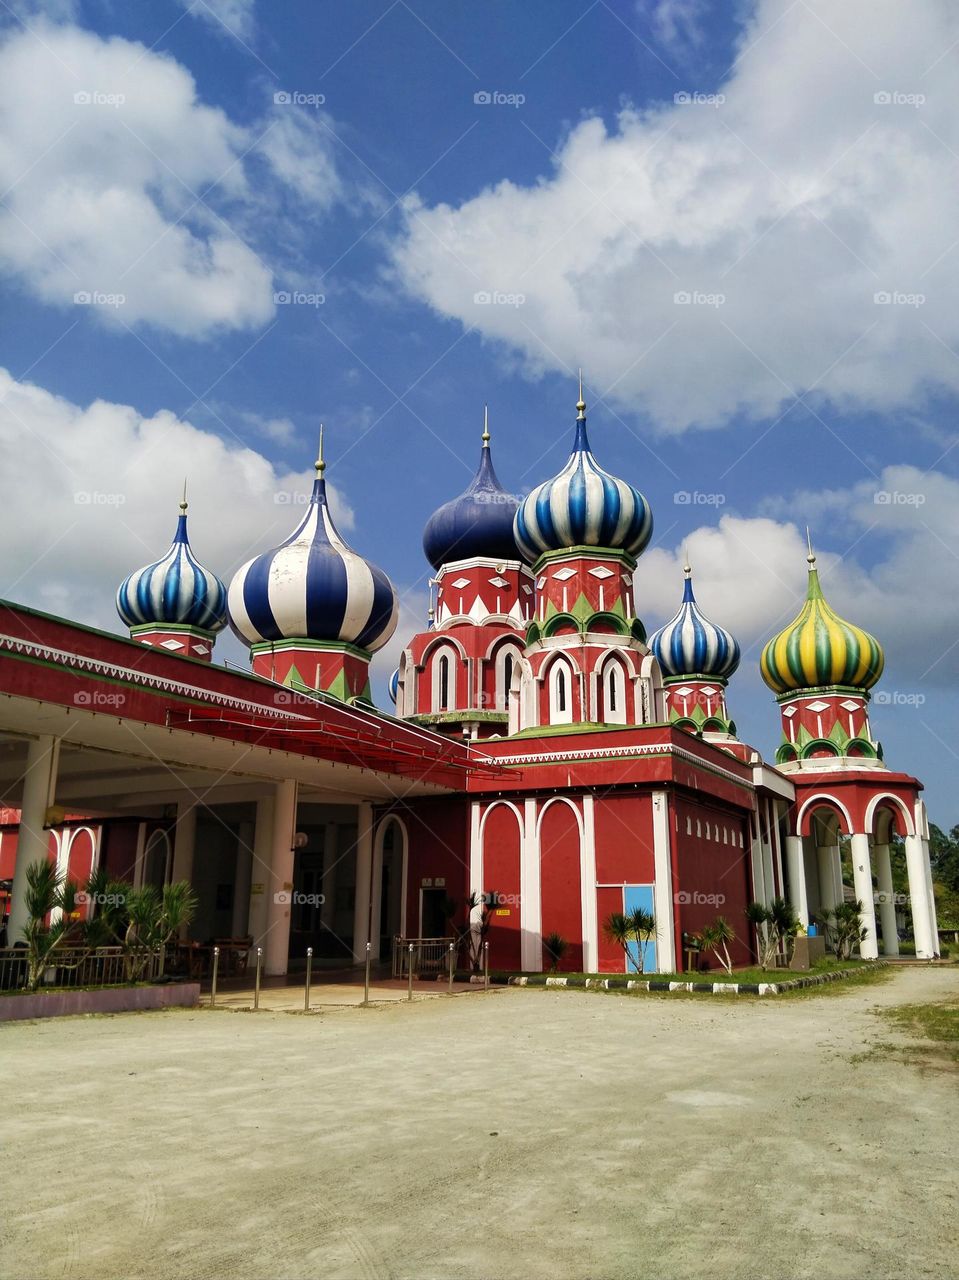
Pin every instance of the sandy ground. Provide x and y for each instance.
(527, 1134)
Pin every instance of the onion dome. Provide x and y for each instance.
(174, 591)
(313, 587)
(477, 523)
(819, 648)
(690, 645)
(393, 686)
(583, 506)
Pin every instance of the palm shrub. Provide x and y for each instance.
(153, 919)
(844, 928)
(636, 926)
(47, 891)
(716, 937)
(773, 925)
(555, 946)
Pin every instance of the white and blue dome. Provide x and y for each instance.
(174, 591)
(690, 645)
(477, 523)
(584, 506)
(313, 587)
(393, 686)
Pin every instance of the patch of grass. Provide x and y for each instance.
(751, 975)
(935, 1026)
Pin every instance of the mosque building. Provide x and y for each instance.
(547, 756)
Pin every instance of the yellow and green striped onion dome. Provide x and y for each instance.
(819, 648)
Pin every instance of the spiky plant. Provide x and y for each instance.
(47, 891)
(723, 934)
(555, 946)
(643, 926)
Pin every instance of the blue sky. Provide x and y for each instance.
(772, 163)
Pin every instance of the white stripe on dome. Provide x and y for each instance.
(237, 609)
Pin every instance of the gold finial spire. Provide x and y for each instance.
(486, 436)
(320, 465)
(580, 403)
(810, 558)
(183, 503)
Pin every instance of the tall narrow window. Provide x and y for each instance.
(612, 688)
(444, 683)
(561, 690)
(507, 679)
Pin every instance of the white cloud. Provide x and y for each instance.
(677, 24)
(750, 573)
(228, 17)
(120, 180)
(72, 530)
(797, 200)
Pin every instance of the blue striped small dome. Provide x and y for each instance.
(313, 587)
(175, 591)
(477, 523)
(690, 645)
(583, 506)
(393, 685)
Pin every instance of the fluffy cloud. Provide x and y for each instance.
(120, 182)
(702, 260)
(750, 573)
(73, 530)
(230, 17)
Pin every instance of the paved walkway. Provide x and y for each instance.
(283, 996)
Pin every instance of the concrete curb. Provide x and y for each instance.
(63, 1004)
(705, 988)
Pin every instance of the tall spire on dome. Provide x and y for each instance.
(486, 434)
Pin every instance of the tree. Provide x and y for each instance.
(844, 928)
(773, 925)
(718, 935)
(555, 946)
(153, 919)
(637, 926)
(48, 891)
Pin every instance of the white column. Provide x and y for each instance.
(531, 904)
(930, 898)
(862, 881)
(376, 902)
(766, 837)
(39, 788)
(364, 867)
(887, 901)
(184, 838)
(756, 859)
(242, 875)
(588, 889)
(919, 898)
(280, 884)
(777, 845)
(796, 866)
(663, 888)
(260, 870)
(826, 866)
(328, 908)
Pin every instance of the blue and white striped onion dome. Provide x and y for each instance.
(174, 591)
(477, 523)
(690, 645)
(313, 587)
(393, 686)
(583, 506)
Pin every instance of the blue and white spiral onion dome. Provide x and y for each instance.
(583, 506)
(477, 523)
(313, 587)
(690, 645)
(174, 591)
(393, 686)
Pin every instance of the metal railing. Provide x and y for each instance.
(74, 967)
(421, 957)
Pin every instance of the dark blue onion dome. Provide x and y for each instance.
(583, 506)
(477, 523)
(313, 587)
(690, 645)
(174, 591)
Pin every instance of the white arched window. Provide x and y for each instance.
(560, 694)
(444, 680)
(614, 694)
(507, 662)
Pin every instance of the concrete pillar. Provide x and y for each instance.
(364, 871)
(663, 889)
(590, 913)
(376, 895)
(756, 860)
(184, 838)
(796, 866)
(242, 877)
(931, 898)
(829, 899)
(260, 871)
(531, 913)
(887, 901)
(279, 892)
(765, 823)
(862, 882)
(330, 859)
(39, 789)
(777, 846)
(919, 898)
